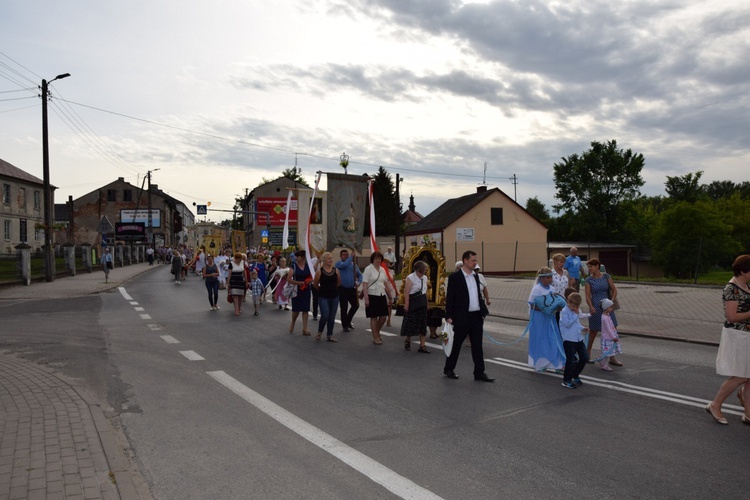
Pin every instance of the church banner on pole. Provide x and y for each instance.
(347, 201)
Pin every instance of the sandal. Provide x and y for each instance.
(614, 362)
(423, 350)
(320, 334)
(306, 333)
(407, 345)
(331, 339)
(377, 342)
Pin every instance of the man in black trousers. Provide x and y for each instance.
(463, 309)
(351, 277)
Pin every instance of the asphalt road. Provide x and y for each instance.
(266, 414)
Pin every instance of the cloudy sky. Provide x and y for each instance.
(219, 94)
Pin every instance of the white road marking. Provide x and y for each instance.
(169, 339)
(154, 326)
(124, 293)
(615, 385)
(144, 316)
(377, 472)
(139, 309)
(133, 303)
(387, 334)
(192, 356)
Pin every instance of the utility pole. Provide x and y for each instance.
(515, 183)
(49, 250)
(149, 225)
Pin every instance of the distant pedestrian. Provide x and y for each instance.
(107, 264)
(545, 344)
(300, 275)
(256, 290)
(150, 255)
(733, 358)
(278, 292)
(176, 267)
(376, 295)
(211, 277)
(574, 266)
(599, 286)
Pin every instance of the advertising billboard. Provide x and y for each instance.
(276, 208)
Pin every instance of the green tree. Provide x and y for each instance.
(692, 237)
(685, 187)
(292, 173)
(538, 210)
(592, 185)
(387, 206)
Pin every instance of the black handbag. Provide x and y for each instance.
(418, 300)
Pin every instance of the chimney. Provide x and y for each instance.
(482, 189)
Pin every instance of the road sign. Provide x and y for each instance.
(105, 226)
(202, 209)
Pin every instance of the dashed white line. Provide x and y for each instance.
(192, 356)
(144, 316)
(139, 309)
(133, 303)
(169, 339)
(379, 473)
(124, 293)
(154, 326)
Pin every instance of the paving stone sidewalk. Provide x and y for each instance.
(55, 442)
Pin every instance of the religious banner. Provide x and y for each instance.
(212, 243)
(238, 241)
(347, 201)
(317, 219)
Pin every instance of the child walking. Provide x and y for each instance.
(610, 342)
(257, 289)
(572, 334)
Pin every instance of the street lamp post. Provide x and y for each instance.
(49, 251)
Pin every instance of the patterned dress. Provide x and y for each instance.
(599, 291)
(733, 358)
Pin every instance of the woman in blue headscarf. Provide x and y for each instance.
(545, 343)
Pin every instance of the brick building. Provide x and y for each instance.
(121, 201)
(22, 208)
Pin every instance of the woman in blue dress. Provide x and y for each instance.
(301, 276)
(599, 286)
(545, 343)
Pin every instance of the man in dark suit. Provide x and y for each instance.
(463, 310)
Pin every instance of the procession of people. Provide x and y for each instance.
(558, 338)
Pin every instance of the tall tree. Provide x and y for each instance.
(685, 187)
(681, 251)
(538, 210)
(387, 206)
(292, 173)
(591, 186)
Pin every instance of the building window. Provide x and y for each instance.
(127, 195)
(496, 216)
(6, 194)
(6, 230)
(37, 200)
(111, 195)
(22, 198)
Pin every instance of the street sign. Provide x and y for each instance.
(202, 209)
(105, 226)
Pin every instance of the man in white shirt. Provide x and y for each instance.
(463, 311)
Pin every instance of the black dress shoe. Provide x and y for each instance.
(450, 374)
(346, 330)
(483, 378)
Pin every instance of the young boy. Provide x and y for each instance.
(572, 334)
(256, 288)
